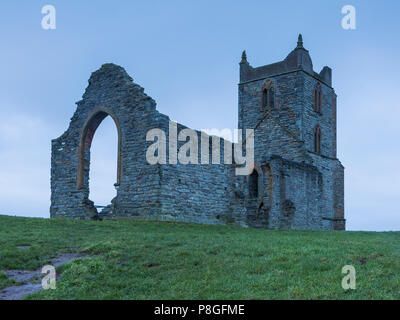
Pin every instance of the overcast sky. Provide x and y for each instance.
(186, 54)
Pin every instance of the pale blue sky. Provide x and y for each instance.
(186, 54)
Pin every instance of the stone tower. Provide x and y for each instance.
(292, 109)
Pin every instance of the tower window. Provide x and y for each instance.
(268, 96)
(318, 98)
(253, 184)
(317, 139)
(271, 97)
(265, 98)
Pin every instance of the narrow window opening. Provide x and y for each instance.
(318, 98)
(265, 98)
(317, 140)
(268, 95)
(315, 99)
(271, 97)
(253, 185)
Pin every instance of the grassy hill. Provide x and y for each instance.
(129, 259)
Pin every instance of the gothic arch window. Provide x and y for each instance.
(87, 134)
(253, 184)
(317, 140)
(318, 98)
(268, 95)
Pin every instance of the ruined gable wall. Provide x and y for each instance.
(112, 92)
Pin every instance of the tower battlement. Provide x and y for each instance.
(297, 60)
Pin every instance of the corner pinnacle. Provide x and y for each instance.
(244, 57)
(300, 42)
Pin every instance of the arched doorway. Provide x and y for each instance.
(99, 157)
(103, 163)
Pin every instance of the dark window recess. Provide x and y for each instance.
(268, 96)
(265, 98)
(271, 97)
(253, 185)
(317, 140)
(318, 98)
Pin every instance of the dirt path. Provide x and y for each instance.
(31, 280)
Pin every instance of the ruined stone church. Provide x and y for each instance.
(297, 181)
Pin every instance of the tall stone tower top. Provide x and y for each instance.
(298, 59)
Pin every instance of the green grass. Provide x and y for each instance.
(130, 259)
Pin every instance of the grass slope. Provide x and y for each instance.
(130, 259)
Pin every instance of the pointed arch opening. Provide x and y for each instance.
(268, 95)
(318, 98)
(86, 139)
(317, 140)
